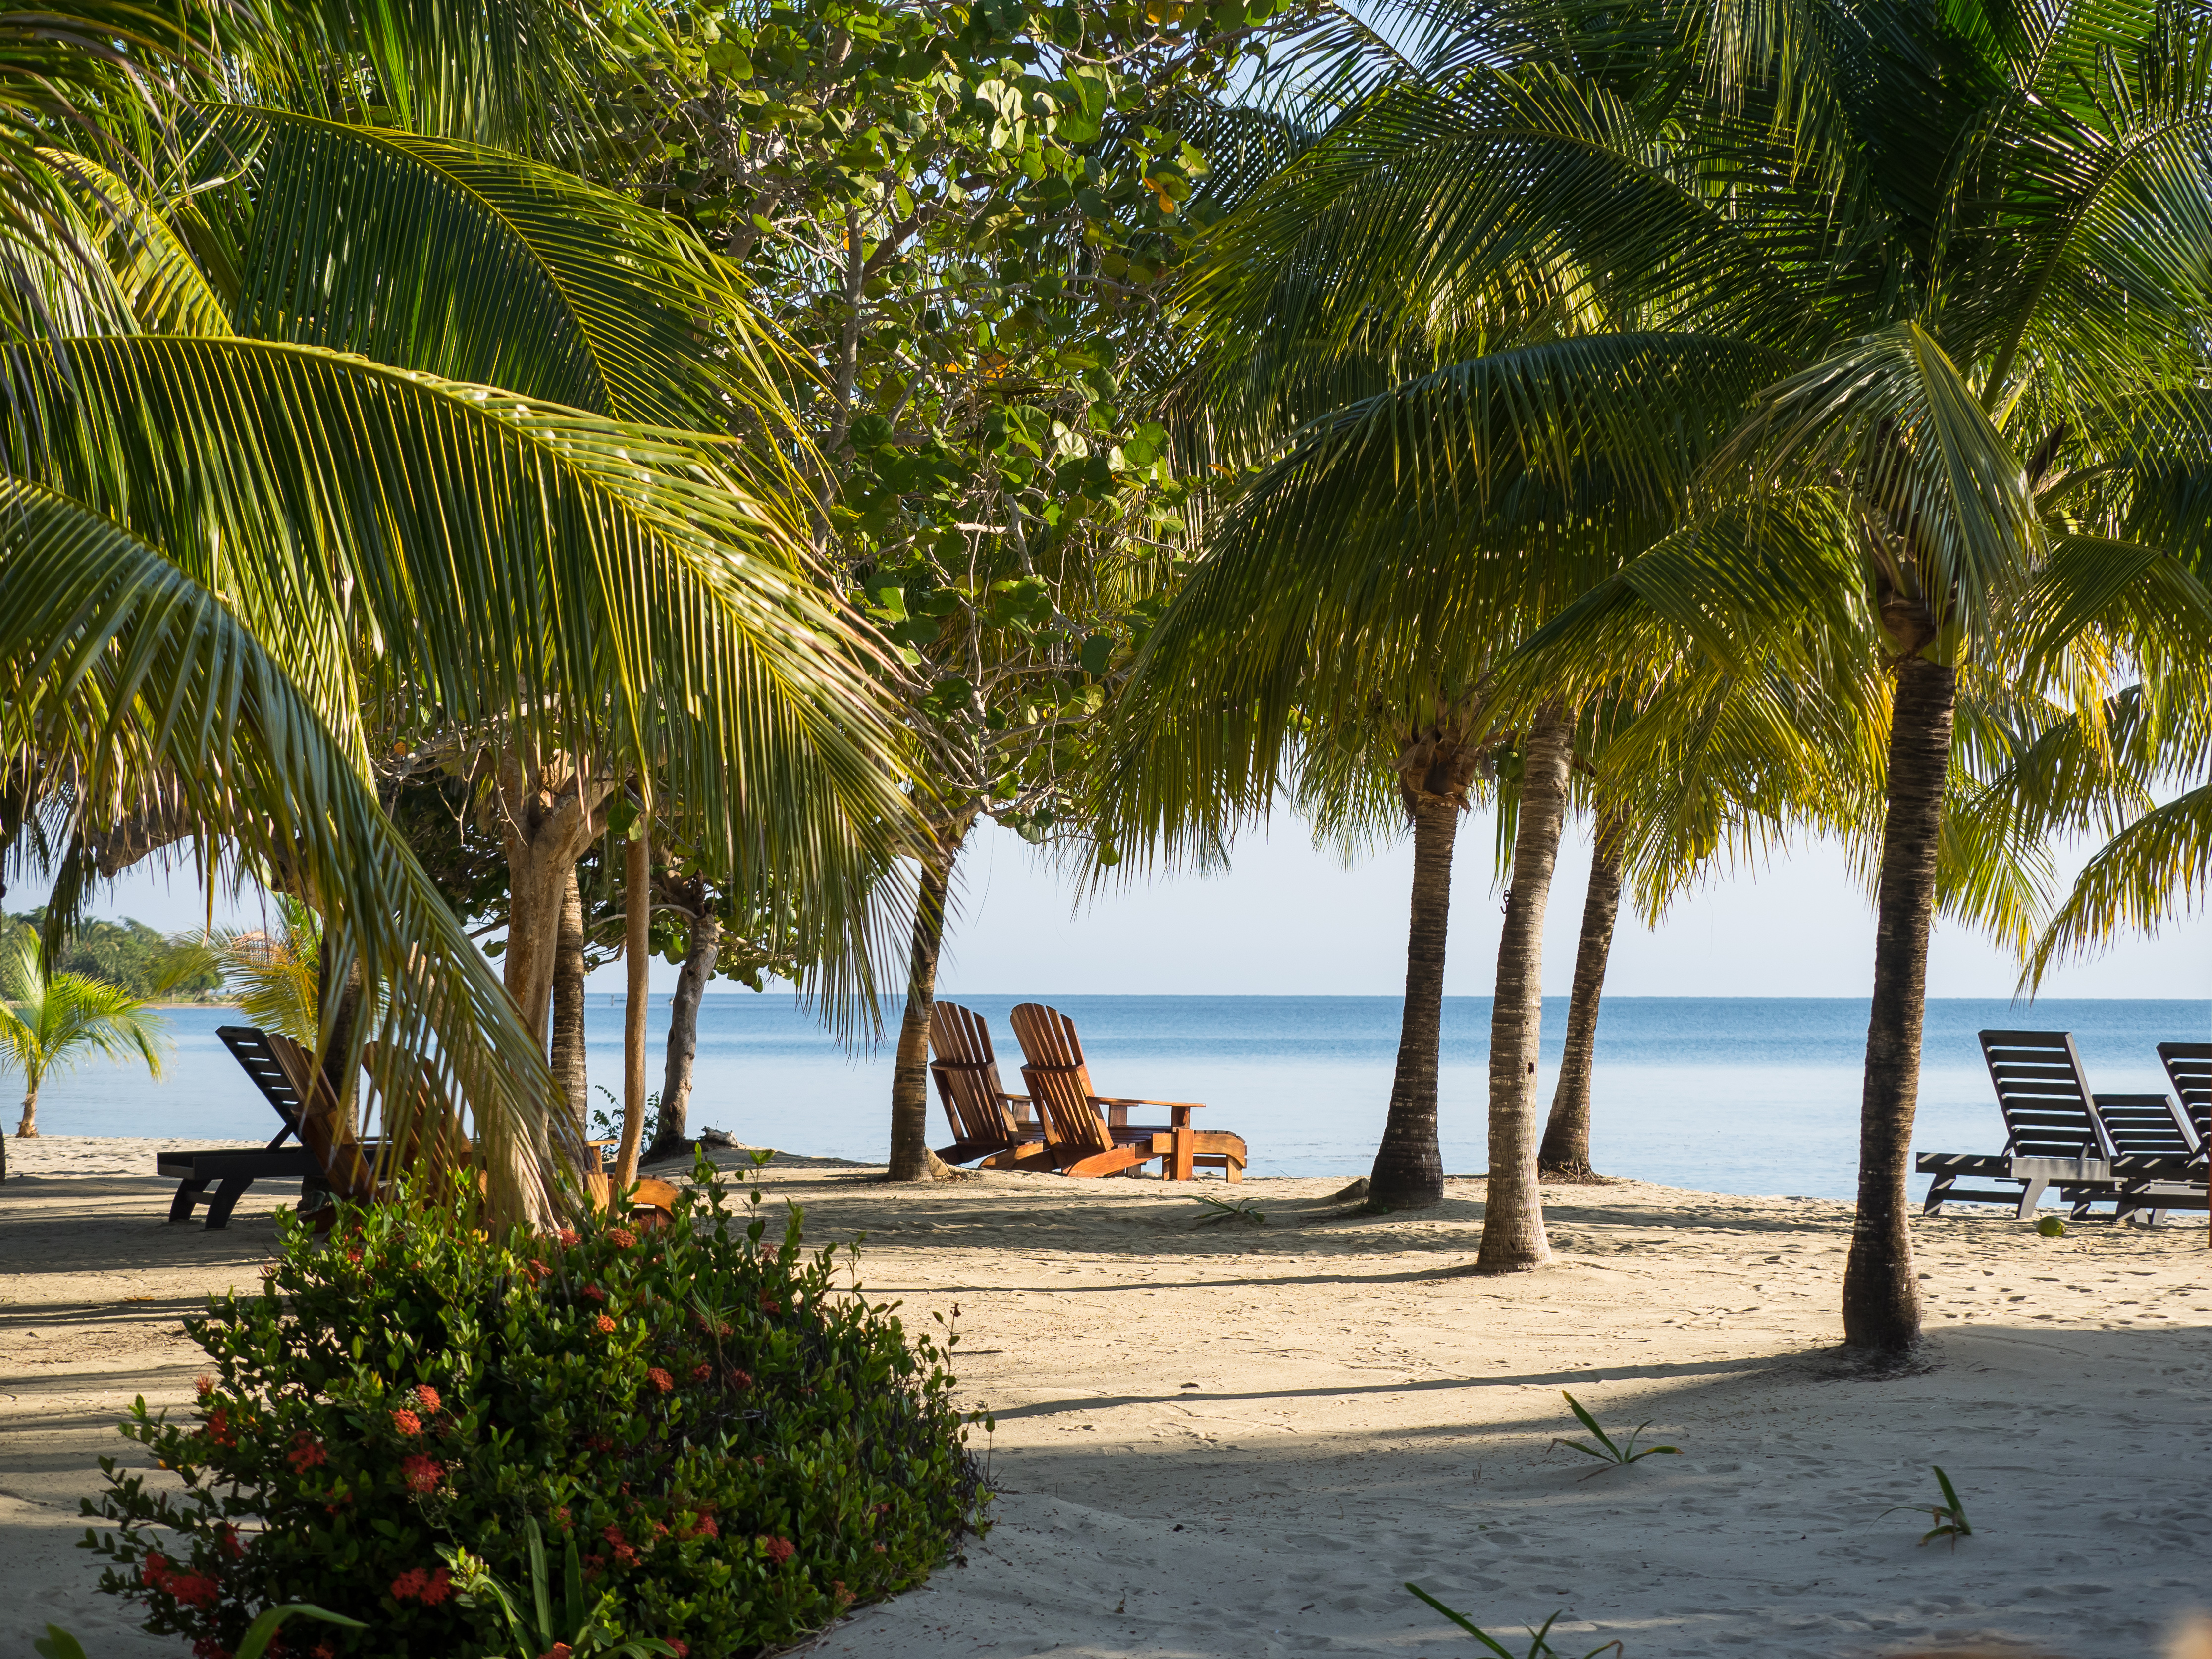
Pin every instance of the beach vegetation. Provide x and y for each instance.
(50, 1021)
(736, 1447)
(1950, 1516)
(1928, 499)
(1227, 1213)
(126, 953)
(274, 977)
(1540, 1644)
(976, 312)
(304, 267)
(1607, 1449)
(260, 1636)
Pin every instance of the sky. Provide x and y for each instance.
(1287, 919)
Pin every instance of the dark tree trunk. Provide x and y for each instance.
(1409, 1166)
(570, 1070)
(674, 1134)
(1513, 1210)
(1881, 1303)
(637, 934)
(911, 1157)
(1565, 1153)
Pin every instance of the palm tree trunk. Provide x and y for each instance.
(911, 1157)
(571, 1068)
(684, 1034)
(1881, 1303)
(1409, 1165)
(1565, 1155)
(637, 933)
(1513, 1211)
(26, 1127)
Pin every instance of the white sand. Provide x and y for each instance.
(1365, 1412)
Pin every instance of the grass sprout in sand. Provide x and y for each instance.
(1540, 1646)
(1606, 1450)
(1950, 1516)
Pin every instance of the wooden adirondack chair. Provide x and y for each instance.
(1087, 1133)
(987, 1122)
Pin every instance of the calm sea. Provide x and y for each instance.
(1735, 1095)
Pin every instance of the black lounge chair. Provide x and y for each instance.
(2158, 1161)
(2189, 1065)
(230, 1171)
(2052, 1137)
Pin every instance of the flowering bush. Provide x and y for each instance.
(738, 1450)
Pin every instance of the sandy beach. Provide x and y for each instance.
(1241, 1440)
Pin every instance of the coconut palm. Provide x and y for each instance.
(273, 977)
(446, 431)
(1913, 293)
(48, 1021)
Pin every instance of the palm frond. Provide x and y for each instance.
(2158, 866)
(114, 661)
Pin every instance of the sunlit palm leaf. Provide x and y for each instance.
(2157, 866)
(112, 661)
(479, 266)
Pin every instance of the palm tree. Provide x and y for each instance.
(273, 977)
(48, 1022)
(443, 429)
(1936, 277)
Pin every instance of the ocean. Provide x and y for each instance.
(1731, 1094)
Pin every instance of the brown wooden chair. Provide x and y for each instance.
(1087, 1133)
(987, 1122)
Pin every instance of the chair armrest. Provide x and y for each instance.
(1187, 1105)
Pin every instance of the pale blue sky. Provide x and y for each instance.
(1287, 919)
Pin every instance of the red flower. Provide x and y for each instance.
(702, 1371)
(558, 1650)
(878, 1549)
(780, 1550)
(707, 1528)
(427, 1398)
(681, 1649)
(594, 1292)
(220, 1428)
(659, 1379)
(422, 1473)
(837, 1588)
(561, 1515)
(208, 1647)
(406, 1422)
(428, 1588)
(769, 1304)
(741, 1379)
(153, 1571)
(307, 1453)
(622, 1236)
(192, 1591)
(535, 1268)
(604, 1325)
(625, 1556)
(569, 1238)
(205, 1384)
(226, 1541)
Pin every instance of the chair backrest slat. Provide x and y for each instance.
(2043, 1094)
(2189, 1065)
(2144, 1126)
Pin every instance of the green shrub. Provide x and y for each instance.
(738, 1449)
